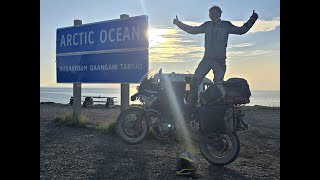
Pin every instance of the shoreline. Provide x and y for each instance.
(116, 105)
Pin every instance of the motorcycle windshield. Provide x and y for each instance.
(148, 79)
(149, 75)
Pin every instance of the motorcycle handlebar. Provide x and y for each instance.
(134, 97)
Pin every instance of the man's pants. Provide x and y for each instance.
(218, 67)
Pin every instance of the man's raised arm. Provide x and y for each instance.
(246, 26)
(189, 29)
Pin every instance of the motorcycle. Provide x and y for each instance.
(163, 113)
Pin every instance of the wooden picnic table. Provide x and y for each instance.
(89, 101)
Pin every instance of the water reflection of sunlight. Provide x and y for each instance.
(177, 111)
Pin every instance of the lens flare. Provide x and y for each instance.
(176, 111)
(143, 6)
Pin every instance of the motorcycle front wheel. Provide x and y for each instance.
(132, 125)
(220, 149)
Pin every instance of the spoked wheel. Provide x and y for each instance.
(220, 149)
(132, 125)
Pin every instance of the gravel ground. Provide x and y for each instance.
(86, 153)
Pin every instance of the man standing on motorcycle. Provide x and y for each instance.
(216, 38)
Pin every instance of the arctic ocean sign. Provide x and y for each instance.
(114, 51)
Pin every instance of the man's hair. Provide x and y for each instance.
(215, 7)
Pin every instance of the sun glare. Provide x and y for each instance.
(176, 109)
(156, 36)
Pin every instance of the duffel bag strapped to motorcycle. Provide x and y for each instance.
(216, 118)
(238, 91)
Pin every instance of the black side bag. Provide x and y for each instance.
(216, 119)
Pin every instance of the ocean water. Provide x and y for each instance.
(62, 95)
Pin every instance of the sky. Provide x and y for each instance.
(254, 56)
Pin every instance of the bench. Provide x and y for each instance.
(89, 101)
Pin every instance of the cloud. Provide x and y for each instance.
(235, 54)
(261, 25)
(170, 45)
(175, 53)
(192, 23)
(161, 36)
(241, 45)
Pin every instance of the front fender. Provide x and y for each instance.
(139, 109)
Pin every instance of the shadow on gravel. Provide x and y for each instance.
(119, 160)
(216, 172)
(148, 160)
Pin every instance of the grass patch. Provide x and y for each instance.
(67, 119)
(107, 129)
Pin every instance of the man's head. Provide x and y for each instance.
(215, 13)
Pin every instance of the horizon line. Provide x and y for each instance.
(137, 83)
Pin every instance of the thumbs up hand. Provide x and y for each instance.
(176, 20)
(254, 15)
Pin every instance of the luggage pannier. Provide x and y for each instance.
(216, 119)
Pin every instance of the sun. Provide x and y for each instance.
(156, 36)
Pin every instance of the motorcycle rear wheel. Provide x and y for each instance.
(132, 125)
(213, 146)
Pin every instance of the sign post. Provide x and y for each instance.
(76, 91)
(125, 88)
